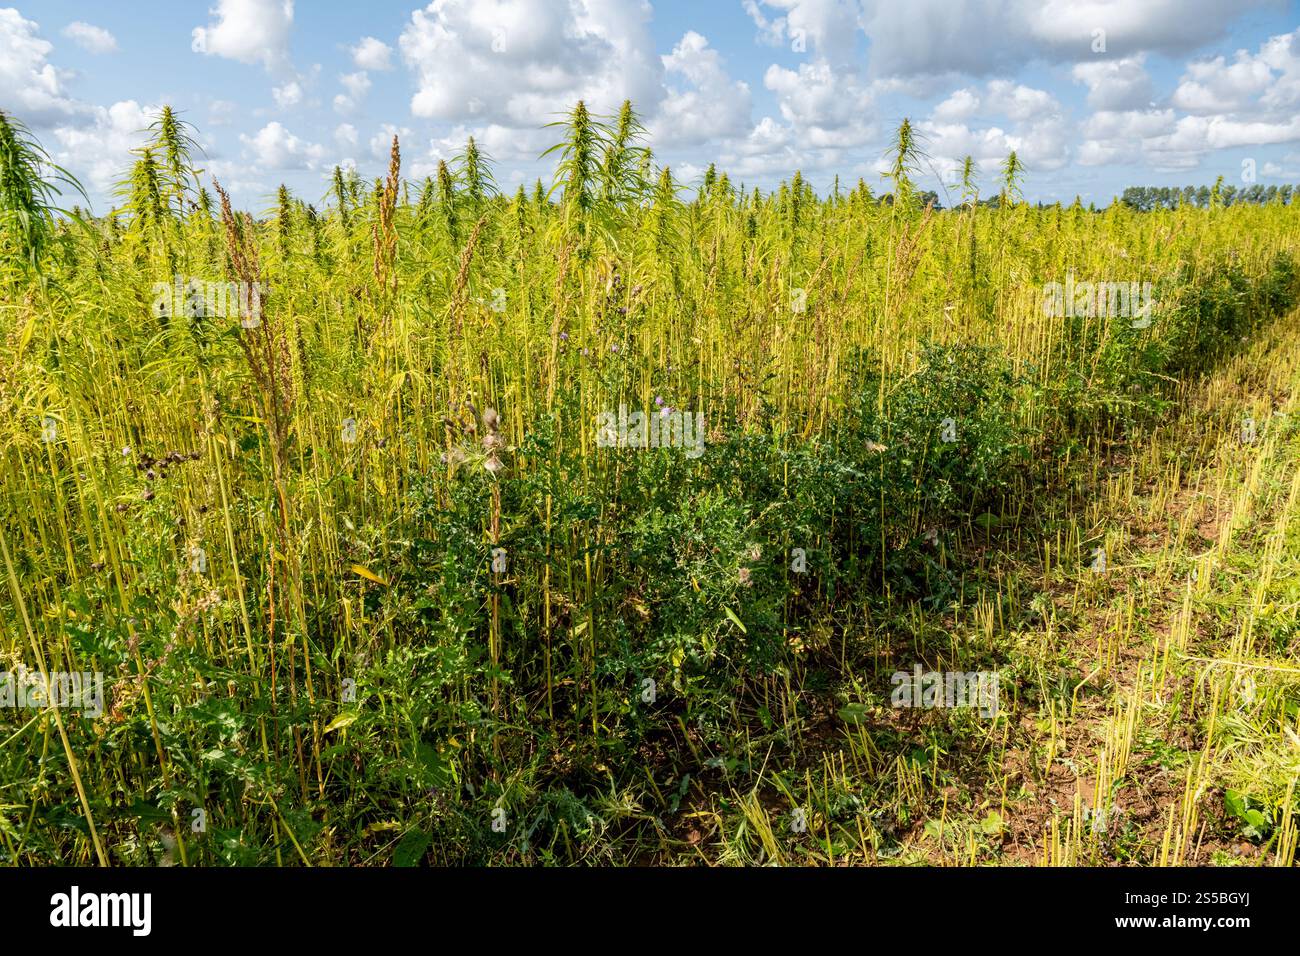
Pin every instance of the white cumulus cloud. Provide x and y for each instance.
(519, 64)
(30, 86)
(99, 152)
(357, 86)
(90, 38)
(288, 95)
(710, 103)
(274, 147)
(372, 54)
(250, 31)
(1115, 84)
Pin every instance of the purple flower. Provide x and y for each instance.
(659, 400)
(564, 336)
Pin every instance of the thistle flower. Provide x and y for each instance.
(492, 442)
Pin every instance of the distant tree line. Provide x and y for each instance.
(1147, 198)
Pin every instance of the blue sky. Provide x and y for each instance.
(1093, 94)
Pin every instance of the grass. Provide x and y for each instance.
(366, 589)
